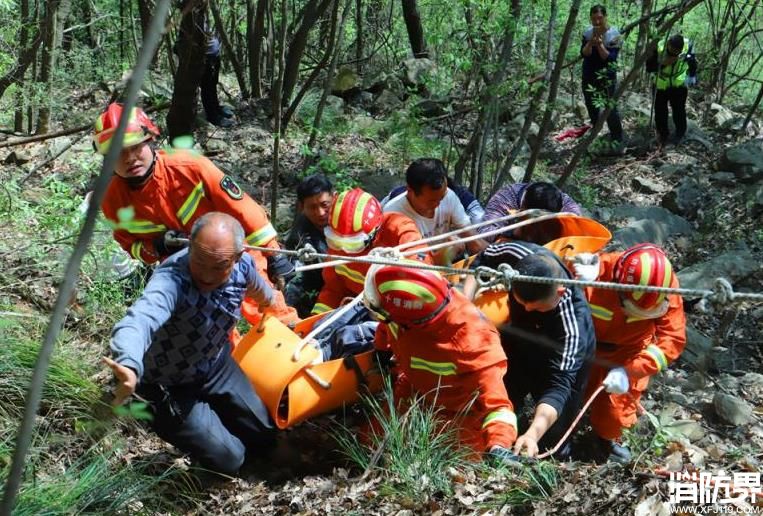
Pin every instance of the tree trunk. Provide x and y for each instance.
(359, 36)
(256, 37)
(277, 104)
(643, 29)
(753, 109)
(310, 14)
(145, 11)
(235, 63)
(191, 55)
(286, 118)
(581, 148)
(415, 30)
(18, 115)
(555, 76)
(337, 47)
(55, 16)
(488, 96)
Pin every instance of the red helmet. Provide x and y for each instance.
(354, 218)
(411, 297)
(645, 265)
(139, 128)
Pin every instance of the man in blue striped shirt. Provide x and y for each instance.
(173, 348)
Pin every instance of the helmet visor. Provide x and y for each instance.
(352, 244)
(633, 310)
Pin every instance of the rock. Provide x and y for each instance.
(362, 99)
(721, 115)
(17, 157)
(344, 81)
(334, 103)
(668, 170)
(745, 161)
(430, 108)
(379, 182)
(639, 103)
(752, 383)
(755, 201)
(516, 173)
(698, 346)
(646, 185)
(687, 199)
(733, 265)
(648, 224)
(723, 179)
(215, 146)
(416, 70)
(687, 428)
(732, 410)
(720, 359)
(387, 102)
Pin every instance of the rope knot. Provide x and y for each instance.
(307, 254)
(508, 273)
(486, 277)
(723, 292)
(387, 253)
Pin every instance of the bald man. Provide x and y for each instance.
(173, 348)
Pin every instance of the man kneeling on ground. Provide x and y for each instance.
(173, 349)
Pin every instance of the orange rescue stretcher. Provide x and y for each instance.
(296, 390)
(572, 234)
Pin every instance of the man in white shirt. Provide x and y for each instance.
(434, 207)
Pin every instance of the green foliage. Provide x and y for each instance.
(68, 393)
(535, 482)
(417, 448)
(93, 484)
(329, 165)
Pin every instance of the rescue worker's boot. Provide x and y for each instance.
(616, 451)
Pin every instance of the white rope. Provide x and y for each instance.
(346, 259)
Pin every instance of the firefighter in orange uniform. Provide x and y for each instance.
(445, 351)
(357, 225)
(638, 335)
(155, 195)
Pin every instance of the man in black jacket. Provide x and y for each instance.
(549, 342)
(314, 197)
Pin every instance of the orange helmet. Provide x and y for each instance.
(354, 218)
(411, 297)
(139, 128)
(645, 265)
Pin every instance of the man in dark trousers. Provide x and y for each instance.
(676, 68)
(599, 49)
(173, 349)
(549, 343)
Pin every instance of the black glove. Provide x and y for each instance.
(170, 242)
(280, 269)
(500, 456)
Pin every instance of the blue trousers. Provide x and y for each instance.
(218, 421)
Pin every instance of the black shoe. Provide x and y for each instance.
(221, 121)
(617, 451)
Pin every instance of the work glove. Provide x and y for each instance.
(500, 456)
(616, 381)
(690, 81)
(586, 266)
(170, 242)
(280, 270)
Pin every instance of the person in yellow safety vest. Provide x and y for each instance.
(676, 68)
